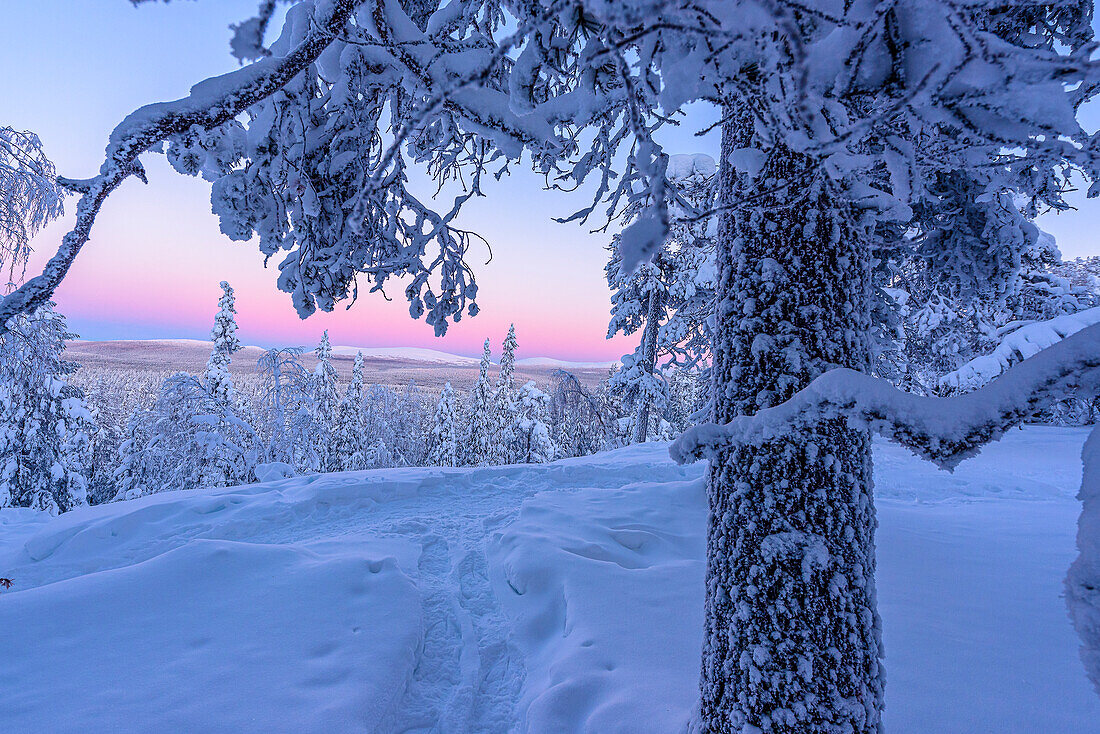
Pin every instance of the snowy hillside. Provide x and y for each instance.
(562, 364)
(391, 366)
(406, 354)
(557, 598)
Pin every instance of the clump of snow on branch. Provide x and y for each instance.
(1017, 346)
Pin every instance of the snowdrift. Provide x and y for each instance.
(557, 598)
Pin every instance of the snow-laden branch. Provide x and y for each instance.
(211, 103)
(942, 430)
(1024, 342)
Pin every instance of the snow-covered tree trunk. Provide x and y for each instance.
(792, 638)
(649, 363)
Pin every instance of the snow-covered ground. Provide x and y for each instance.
(407, 354)
(563, 364)
(563, 598)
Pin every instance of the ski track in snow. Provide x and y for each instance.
(469, 674)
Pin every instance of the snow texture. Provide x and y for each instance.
(1027, 341)
(547, 599)
(943, 430)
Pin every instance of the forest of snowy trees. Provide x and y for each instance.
(864, 234)
(74, 436)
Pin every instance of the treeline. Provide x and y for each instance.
(72, 436)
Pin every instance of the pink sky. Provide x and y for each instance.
(153, 264)
(155, 258)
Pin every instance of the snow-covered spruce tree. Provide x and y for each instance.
(506, 376)
(45, 423)
(326, 407)
(197, 433)
(218, 381)
(445, 449)
(483, 443)
(353, 448)
(226, 444)
(532, 428)
(506, 407)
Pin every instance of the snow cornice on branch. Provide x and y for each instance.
(211, 103)
(943, 430)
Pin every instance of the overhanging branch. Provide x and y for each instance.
(942, 430)
(211, 103)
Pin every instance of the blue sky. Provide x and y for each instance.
(74, 69)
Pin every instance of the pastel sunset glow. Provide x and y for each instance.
(156, 256)
(152, 267)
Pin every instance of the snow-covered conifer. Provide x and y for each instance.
(353, 448)
(506, 409)
(226, 444)
(445, 449)
(507, 373)
(218, 381)
(531, 427)
(483, 444)
(326, 406)
(45, 423)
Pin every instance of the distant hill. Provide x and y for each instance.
(391, 366)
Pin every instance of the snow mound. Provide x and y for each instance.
(565, 597)
(213, 636)
(607, 589)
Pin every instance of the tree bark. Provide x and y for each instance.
(792, 637)
(649, 364)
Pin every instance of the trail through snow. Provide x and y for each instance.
(464, 674)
